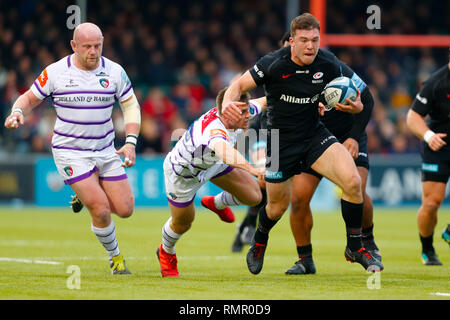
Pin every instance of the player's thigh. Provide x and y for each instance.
(337, 165)
(241, 184)
(433, 192)
(182, 217)
(91, 193)
(120, 196)
(303, 187)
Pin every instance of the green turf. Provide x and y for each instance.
(208, 268)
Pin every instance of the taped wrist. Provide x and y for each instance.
(428, 135)
(131, 139)
(131, 111)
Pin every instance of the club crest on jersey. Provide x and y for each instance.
(104, 82)
(68, 170)
(318, 75)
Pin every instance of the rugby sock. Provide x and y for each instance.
(304, 251)
(264, 226)
(225, 199)
(252, 213)
(107, 237)
(169, 237)
(367, 234)
(427, 243)
(352, 214)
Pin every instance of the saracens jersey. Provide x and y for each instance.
(292, 93)
(434, 100)
(83, 101)
(192, 155)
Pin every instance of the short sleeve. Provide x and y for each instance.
(42, 86)
(424, 99)
(124, 87)
(348, 72)
(259, 71)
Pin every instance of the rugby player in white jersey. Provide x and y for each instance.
(83, 87)
(205, 153)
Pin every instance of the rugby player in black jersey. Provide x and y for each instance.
(433, 100)
(293, 78)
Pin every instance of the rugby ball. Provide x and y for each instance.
(337, 91)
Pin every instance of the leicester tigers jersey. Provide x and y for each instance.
(83, 100)
(192, 154)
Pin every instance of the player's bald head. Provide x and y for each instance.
(87, 32)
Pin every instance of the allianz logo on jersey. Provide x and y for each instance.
(292, 99)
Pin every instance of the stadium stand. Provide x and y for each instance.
(180, 54)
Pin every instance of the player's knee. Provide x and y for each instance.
(100, 214)
(255, 197)
(299, 205)
(431, 204)
(353, 185)
(126, 208)
(276, 210)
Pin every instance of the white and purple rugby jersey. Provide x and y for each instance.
(191, 157)
(83, 100)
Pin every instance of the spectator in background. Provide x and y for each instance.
(164, 111)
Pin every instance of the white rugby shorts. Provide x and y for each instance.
(73, 168)
(181, 190)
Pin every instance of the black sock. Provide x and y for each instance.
(252, 213)
(367, 234)
(304, 251)
(448, 229)
(427, 243)
(264, 226)
(352, 214)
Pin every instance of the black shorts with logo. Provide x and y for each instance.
(361, 161)
(435, 165)
(292, 158)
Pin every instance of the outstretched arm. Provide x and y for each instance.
(23, 105)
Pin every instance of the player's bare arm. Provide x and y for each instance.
(232, 157)
(23, 105)
(355, 106)
(230, 105)
(418, 126)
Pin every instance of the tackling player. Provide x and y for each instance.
(205, 153)
(293, 78)
(83, 87)
(433, 100)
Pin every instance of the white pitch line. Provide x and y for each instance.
(30, 261)
(441, 294)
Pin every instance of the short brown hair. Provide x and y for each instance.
(305, 21)
(219, 99)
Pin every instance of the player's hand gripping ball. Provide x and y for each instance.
(337, 91)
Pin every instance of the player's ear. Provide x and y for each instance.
(73, 44)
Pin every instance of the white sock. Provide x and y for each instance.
(169, 237)
(107, 237)
(224, 199)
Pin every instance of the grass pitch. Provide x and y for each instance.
(38, 246)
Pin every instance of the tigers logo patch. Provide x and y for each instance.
(104, 82)
(68, 170)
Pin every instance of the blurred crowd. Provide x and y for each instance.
(179, 54)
